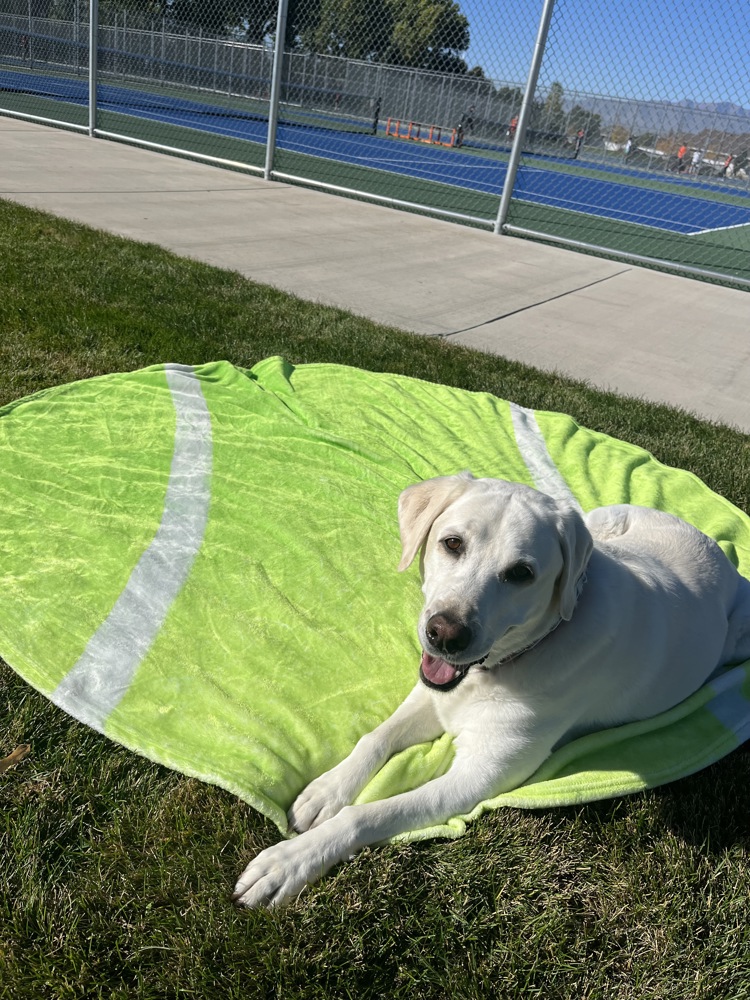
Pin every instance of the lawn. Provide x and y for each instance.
(115, 873)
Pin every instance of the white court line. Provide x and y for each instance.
(599, 211)
(97, 682)
(417, 161)
(719, 229)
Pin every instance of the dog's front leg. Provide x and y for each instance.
(414, 721)
(283, 870)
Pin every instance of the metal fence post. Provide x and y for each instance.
(273, 109)
(30, 37)
(523, 116)
(93, 49)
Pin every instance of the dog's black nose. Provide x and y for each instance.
(447, 634)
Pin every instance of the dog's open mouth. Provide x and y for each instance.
(440, 674)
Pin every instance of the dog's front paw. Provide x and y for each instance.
(272, 878)
(320, 801)
(281, 872)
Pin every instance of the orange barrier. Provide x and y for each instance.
(435, 135)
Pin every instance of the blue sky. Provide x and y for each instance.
(663, 50)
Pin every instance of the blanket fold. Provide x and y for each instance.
(200, 562)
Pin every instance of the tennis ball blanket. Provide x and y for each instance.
(201, 564)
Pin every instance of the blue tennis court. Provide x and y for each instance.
(608, 198)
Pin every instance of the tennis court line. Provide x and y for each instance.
(720, 229)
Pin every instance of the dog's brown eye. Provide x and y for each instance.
(520, 573)
(452, 543)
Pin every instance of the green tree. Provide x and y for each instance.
(356, 29)
(427, 34)
(553, 111)
(580, 118)
(36, 8)
(217, 18)
(618, 134)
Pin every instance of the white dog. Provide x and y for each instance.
(538, 625)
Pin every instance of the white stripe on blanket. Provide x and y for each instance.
(97, 682)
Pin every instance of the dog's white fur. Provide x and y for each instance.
(660, 609)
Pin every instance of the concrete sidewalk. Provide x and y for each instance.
(620, 327)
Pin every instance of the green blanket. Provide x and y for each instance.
(201, 563)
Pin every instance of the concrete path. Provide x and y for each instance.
(620, 327)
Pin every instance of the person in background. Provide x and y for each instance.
(376, 116)
(631, 148)
(465, 125)
(681, 153)
(580, 136)
(513, 126)
(740, 165)
(696, 161)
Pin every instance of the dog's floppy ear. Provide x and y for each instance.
(577, 544)
(420, 504)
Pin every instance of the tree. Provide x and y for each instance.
(355, 29)
(215, 18)
(259, 20)
(507, 103)
(427, 34)
(619, 135)
(219, 17)
(553, 112)
(580, 118)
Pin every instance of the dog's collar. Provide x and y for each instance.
(519, 652)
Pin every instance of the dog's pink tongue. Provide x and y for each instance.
(437, 671)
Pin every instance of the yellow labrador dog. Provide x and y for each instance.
(539, 624)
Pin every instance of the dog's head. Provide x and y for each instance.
(500, 564)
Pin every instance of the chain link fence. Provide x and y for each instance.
(622, 130)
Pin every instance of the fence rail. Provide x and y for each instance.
(654, 180)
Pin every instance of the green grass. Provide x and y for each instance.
(115, 873)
